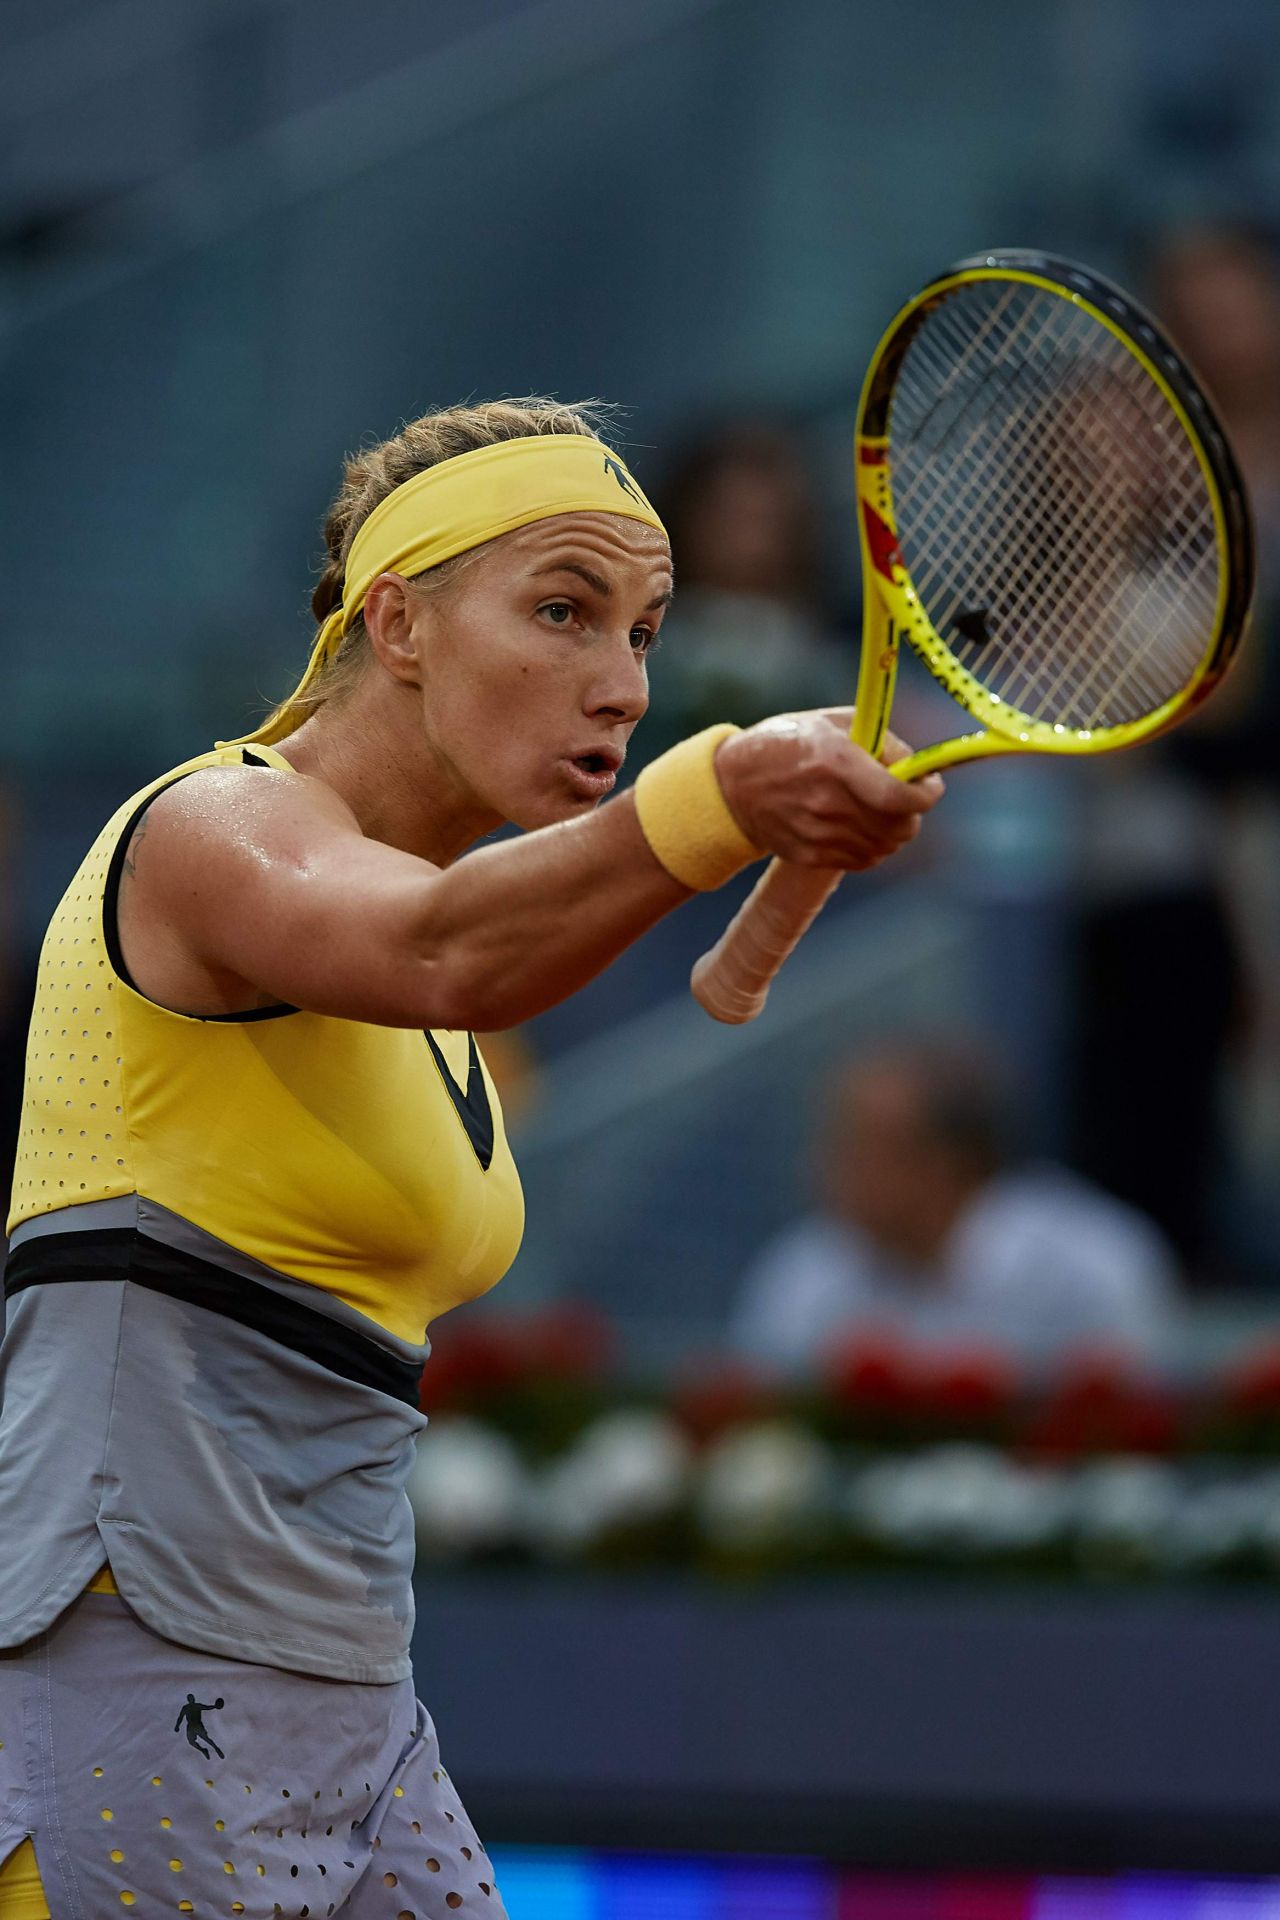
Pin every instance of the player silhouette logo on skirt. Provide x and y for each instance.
(193, 1713)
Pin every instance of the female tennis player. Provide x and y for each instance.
(260, 1153)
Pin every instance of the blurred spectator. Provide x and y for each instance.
(1221, 292)
(925, 1223)
(748, 635)
(1184, 842)
(1218, 292)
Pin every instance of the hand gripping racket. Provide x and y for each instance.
(1049, 512)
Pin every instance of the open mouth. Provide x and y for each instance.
(594, 774)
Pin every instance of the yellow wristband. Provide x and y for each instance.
(685, 817)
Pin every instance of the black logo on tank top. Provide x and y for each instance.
(197, 1732)
(472, 1103)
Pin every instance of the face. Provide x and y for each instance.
(533, 664)
(742, 533)
(883, 1171)
(1223, 306)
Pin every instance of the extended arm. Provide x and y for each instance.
(263, 880)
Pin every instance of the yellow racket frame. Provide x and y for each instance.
(892, 610)
(732, 981)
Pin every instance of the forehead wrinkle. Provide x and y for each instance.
(594, 580)
(598, 582)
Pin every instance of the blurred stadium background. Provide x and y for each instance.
(989, 1628)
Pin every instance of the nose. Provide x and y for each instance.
(619, 686)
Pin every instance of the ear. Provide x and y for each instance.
(393, 622)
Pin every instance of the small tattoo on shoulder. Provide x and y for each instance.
(131, 857)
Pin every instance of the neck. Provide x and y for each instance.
(920, 1238)
(372, 751)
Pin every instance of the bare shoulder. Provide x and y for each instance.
(240, 813)
(217, 847)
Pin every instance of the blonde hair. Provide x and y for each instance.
(368, 478)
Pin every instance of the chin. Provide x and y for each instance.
(551, 812)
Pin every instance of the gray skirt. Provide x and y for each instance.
(159, 1780)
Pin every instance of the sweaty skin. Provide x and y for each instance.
(508, 695)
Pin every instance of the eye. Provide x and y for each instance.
(559, 612)
(644, 641)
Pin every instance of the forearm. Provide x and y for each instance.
(514, 928)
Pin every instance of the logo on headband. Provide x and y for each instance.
(624, 479)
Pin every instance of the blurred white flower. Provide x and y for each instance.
(468, 1489)
(1126, 1506)
(1267, 1494)
(764, 1484)
(958, 1498)
(628, 1468)
(1212, 1523)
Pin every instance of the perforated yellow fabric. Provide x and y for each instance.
(73, 1144)
(333, 1151)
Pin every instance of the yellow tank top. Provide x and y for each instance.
(370, 1162)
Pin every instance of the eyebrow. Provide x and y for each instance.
(598, 583)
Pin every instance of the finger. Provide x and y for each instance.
(875, 786)
(894, 750)
(858, 837)
(818, 844)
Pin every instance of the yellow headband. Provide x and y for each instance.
(457, 505)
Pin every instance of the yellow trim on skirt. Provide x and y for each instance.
(21, 1888)
(22, 1895)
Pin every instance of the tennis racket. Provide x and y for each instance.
(1050, 514)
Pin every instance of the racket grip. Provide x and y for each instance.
(732, 981)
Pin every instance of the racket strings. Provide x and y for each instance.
(1059, 500)
(1063, 503)
(1048, 500)
(1013, 523)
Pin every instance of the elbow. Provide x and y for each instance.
(462, 1003)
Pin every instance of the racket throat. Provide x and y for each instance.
(951, 753)
(877, 675)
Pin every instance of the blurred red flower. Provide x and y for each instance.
(1251, 1385)
(969, 1386)
(872, 1371)
(716, 1394)
(1100, 1403)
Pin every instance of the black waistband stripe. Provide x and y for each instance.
(123, 1253)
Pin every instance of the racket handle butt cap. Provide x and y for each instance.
(731, 1005)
